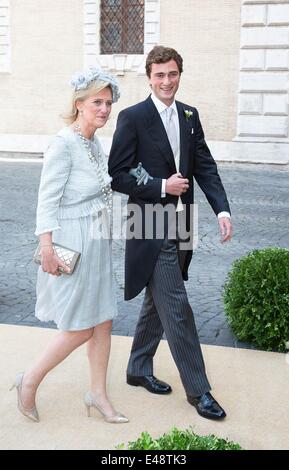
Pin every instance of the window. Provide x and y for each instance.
(104, 37)
(122, 26)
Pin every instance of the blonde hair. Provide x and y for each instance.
(80, 95)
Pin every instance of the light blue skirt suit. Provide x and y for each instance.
(71, 206)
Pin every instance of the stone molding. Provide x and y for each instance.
(235, 152)
(264, 72)
(118, 63)
(5, 44)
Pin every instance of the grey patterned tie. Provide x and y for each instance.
(171, 130)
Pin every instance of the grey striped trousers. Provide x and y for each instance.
(166, 309)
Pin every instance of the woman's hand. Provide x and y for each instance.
(141, 175)
(50, 262)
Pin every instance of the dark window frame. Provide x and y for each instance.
(129, 31)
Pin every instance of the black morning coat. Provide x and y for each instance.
(140, 136)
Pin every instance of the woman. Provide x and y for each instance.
(74, 191)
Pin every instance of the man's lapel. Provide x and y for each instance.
(184, 139)
(158, 133)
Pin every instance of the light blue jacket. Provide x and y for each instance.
(69, 186)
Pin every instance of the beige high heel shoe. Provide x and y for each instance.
(32, 413)
(118, 418)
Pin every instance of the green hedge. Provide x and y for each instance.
(177, 439)
(256, 298)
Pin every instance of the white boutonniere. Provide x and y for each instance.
(188, 114)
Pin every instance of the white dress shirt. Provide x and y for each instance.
(161, 108)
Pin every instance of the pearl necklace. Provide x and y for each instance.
(100, 169)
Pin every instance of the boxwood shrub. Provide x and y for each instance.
(178, 439)
(256, 298)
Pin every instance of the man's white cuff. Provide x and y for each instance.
(224, 214)
(163, 188)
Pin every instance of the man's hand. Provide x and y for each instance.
(226, 229)
(176, 185)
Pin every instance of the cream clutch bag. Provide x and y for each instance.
(68, 256)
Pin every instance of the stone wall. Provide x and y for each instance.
(50, 40)
(46, 46)
(264, 67)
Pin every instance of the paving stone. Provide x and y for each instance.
(260, 206)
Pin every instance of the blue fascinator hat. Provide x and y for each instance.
(81, 80)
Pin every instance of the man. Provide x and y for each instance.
(166, 137)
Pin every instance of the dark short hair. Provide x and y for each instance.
(161, 55)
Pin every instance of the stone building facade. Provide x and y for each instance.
(236, 68)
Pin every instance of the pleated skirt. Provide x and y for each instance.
(87, 297)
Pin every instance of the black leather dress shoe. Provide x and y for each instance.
(207, 406)
(150, 382)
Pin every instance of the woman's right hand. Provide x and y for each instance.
(51, 263)
(141, 175)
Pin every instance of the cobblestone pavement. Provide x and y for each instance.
(260, 207)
